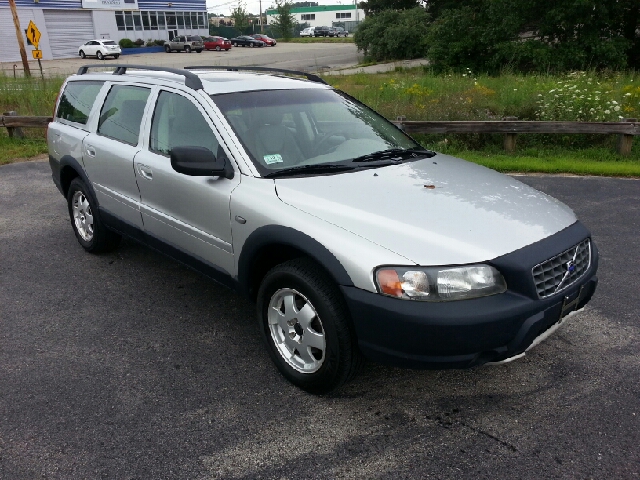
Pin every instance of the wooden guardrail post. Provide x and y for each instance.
(14, 132)
(510, 138)
(625, 141)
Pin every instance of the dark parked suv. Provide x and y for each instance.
(321, 31)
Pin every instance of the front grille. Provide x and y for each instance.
(564, 269)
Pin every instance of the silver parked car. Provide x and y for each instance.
(184, 43)
(100, 48)
(353, 240)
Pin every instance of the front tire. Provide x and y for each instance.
(217, 48)
(167, 48)
(305, 324)
(82, 54)
(100, 55)
(85, 220)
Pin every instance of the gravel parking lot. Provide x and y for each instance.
(309, 57)
(128, 365)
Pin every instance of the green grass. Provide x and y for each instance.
(12, 149)
(590, 161)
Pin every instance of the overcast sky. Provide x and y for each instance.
(253, 6)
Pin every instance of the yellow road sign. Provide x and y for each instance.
(33, 34)
(37, 54)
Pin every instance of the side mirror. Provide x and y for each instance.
(199, 162)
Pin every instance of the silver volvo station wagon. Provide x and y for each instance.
(352, 239)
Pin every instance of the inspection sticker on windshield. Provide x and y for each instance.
(269, 159)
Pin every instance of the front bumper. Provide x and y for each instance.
(471, 332)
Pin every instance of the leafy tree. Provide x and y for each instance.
(240, 16)
(284, 22)
(526, 35)
(373, 7)
(394, 34)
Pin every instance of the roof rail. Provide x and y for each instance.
(191, 80)
(309, 76)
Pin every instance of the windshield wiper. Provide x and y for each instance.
(395, 155)
(310, 169)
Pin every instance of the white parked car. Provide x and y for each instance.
(100, 48)
(307, 32)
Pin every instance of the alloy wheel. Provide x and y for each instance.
(296, 330)
(82, 215)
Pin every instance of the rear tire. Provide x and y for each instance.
(199, 51)
(85, 220)
(116, 56)
(306, 326)
(187, 49)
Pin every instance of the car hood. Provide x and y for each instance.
(435, 211)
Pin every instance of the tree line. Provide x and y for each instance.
(491, 35)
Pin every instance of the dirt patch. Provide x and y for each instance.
(38, 158)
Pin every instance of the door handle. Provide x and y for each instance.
(145, 172)
(91, 151)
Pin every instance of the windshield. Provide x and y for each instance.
(281, 129)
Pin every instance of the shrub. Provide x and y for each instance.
(139, 42)
(159, 43)
(394, 34)
(126, 43)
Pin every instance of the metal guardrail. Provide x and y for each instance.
(625, 130)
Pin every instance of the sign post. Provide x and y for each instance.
(16, 23)
(33, 35)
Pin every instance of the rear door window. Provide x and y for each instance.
(122, 113)
(76, 101)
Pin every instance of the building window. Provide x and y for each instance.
(180, 19)
(136, 21)
(187, 20)
(308, 16)
(128, 20)
(153, 20)
(202, 22)
(161, 24)
(171, 21)
(343, 15)
(145, 20)
(194, 20)
(120, 20)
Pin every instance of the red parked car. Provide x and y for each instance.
(216, 43)
(268, 40)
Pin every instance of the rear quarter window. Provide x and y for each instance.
(76, 101)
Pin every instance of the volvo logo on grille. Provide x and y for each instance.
(570, 266)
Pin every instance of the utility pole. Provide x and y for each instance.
(261, 24)
(23, 52)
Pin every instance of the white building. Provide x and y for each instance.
(67, 24)
(323, 15)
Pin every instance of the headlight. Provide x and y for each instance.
(439, 284)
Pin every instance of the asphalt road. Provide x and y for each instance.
(129, 366)
(309, 57)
